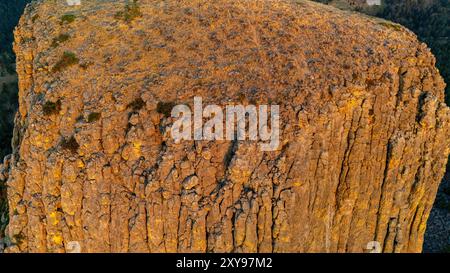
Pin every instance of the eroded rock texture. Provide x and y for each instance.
(365, 132)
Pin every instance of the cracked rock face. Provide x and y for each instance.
(364, 130)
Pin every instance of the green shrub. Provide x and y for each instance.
(68, 59)
(67, 18)
(130, 12)
(60, 39)
(51, 108)
(93, 117)
(390, 25)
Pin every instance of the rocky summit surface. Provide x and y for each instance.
(364, 129)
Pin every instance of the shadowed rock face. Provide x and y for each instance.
(365, 132)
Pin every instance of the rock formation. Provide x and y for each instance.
(365, 131)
